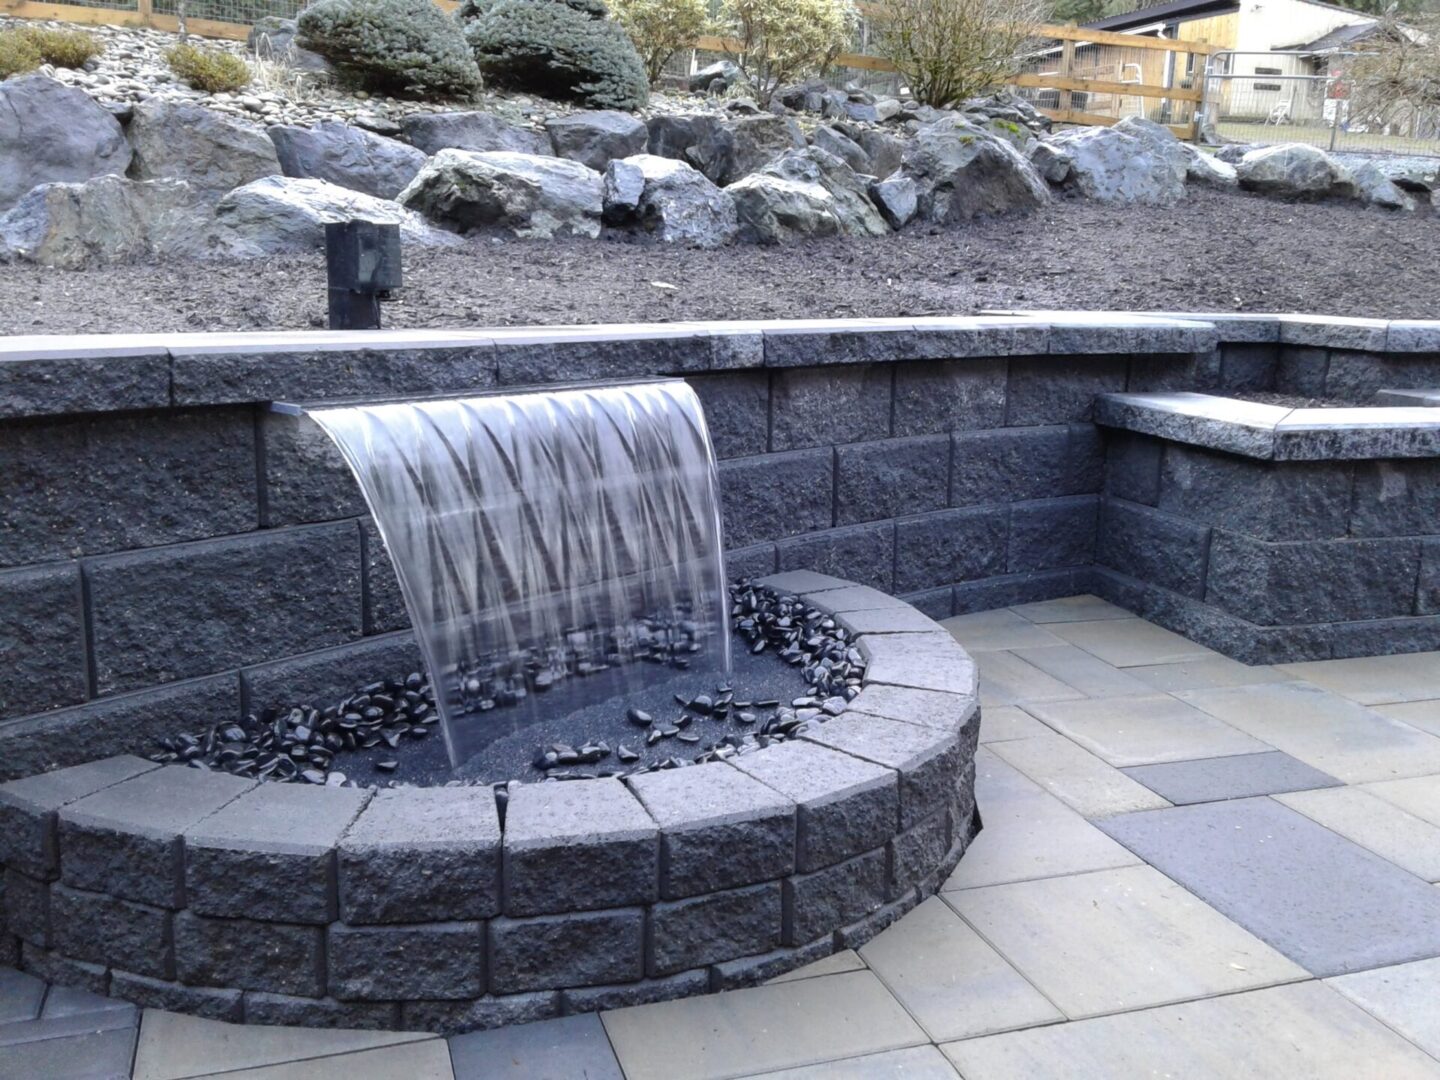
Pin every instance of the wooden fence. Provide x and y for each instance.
(1078, 98)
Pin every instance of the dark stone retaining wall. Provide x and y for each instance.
(420, 909)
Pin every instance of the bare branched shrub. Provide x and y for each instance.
(949, 50)
(1396, 77)
(776, 42)
(661, 28)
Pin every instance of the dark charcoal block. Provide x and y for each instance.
(590, 948)
(1052, 533)
(949, 546)
(213, 1003)
(1301, 370)
(1152, 546)
(64, 382)
(936, 396)
(626, 995)
(1014, 464)
(528, 359)
(1176, 371)
(262, 1008)
(84, 485)
(29, 810)
(250, 955)
(126, 839)
(1356, 376)
(430, 961)
(827, 405)
(1320, 582)
(1018, 589)
(1132, 467)
(859, 553)
(934, 603)
(458, 1017)
(706, 812)
(820, 903)
(305, 476)
(926, 759)
(41, 639)
(1060, 389)
(1396, 498)
(1427, 589)
(1288, 501)
(846, 805)
(758, 560)
(114, 725)
(63, 971)
(1246, 366)
(716, 926)
(569, 847)
(322, 677)
(753, 970)
(1383, 637)
(889, 478)
(100, 929)
(26, 903)
(777, 495)
(385, 609)
(422, 855)
(737, 411)
(270, 854)
(915, 853)
(858, 933)
(172, 613)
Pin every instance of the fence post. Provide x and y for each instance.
(1067, 67)
(146, 11)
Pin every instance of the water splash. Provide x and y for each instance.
(545, 540)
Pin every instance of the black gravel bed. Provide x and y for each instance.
(1215, 251)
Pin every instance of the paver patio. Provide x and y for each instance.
(1189, 868)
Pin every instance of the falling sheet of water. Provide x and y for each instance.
(548, 544)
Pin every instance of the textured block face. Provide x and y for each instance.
(1154, 547)
(1396, 498)
(458, 1017)
(950, 546)
(1427, 588)
(97, 928)
(591, 948)
(1016, 464)
(845, 805)
(27, 908)
(306, 479)
(41, 639)
(270, 853)
(1247, 366)
(271, 957)
(173, 613)
(719, 828)
(422, 855)
(571, 847)
(331, 673)
(210, 1002)
(126, 839)
(776, 495)
(625, 995)
(1296, 501)
(719, 926)
(926, 760)
(817, 903)
(936, 396)
(892, 477)
(384, 602)
(1060, 389)
(1052, 534)
(434, 961)
(52, 385)
(826, 406)
(284, 1009)
(863, 553)
(85, 485)
(581, 359)
(1301, 370)
(737, 411)
(29, 808)
(916, 852)
(1132, 467)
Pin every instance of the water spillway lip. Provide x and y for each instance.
(301, 408)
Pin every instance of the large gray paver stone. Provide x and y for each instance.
(1144, 730)
(1209, 674)
(999, 629)
(1087, 673)
(1082, 608)
(1375, 680)
(1376, 824)
(1005, 679)
(1405, 997)
(912, 1063)
(1320, 899)
(567, 1046)
(1077, 777)
(1131, 642)
(97, 1054)
(1115, 940)
(20, 996)
(1239, 776)
(1324, 1038)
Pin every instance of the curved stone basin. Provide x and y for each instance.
(418, 908)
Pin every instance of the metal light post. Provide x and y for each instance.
(362, 261)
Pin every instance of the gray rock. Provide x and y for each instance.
(1231, 153)
(1293, 170)
(176, 140)
(52, 133)
(347, 156)
(279, 215)
(1377, 189)
(1050, 161)
(1007, 105)
(805, 193)
(1207, 169)
(676, 203)
(624, 184)
(886, 152)
(109, 217)
(529, 195)
(478, 131)
(597, 138)
(887, 108)
(807, 96)
(737, 148)
(1160, 141)
(1110, 166)
(1416, 174)
(273, 38)
(840, 145)
(716, 78)
(962, 170)
(672, 134)
(897, 199)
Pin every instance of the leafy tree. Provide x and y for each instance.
(949, 50)
(661, 28)
(776, 42)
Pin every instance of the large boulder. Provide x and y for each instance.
(477, 131)
(52, 133)
(736, 148)
(673, 134)
(348, 156)
(805, 193)
(1110, 166)
(1294, 170)
(1160, 141)
(177, 140)
(280, 215)
(897, 198)
(885, 152)
(668, 199)
(853, 208)
(1373, 186)
(108, 217)
(960, 170)
(1207, 170)
(597, 138)
(526, 194)
(843, 147)
(715, 78)
(1050, 161)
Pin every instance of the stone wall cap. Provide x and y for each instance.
(426, 818)
(161, 803)
(547, 815)
(288, 818)
(852, 598)
(922, 661)
(695, 798)
(943, 709)
(1335, 332)
(891, 743)
(801, 581)
(44, 792)
(811, 774)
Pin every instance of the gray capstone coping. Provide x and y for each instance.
(417, 908)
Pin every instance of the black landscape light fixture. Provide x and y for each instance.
(362, 260)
